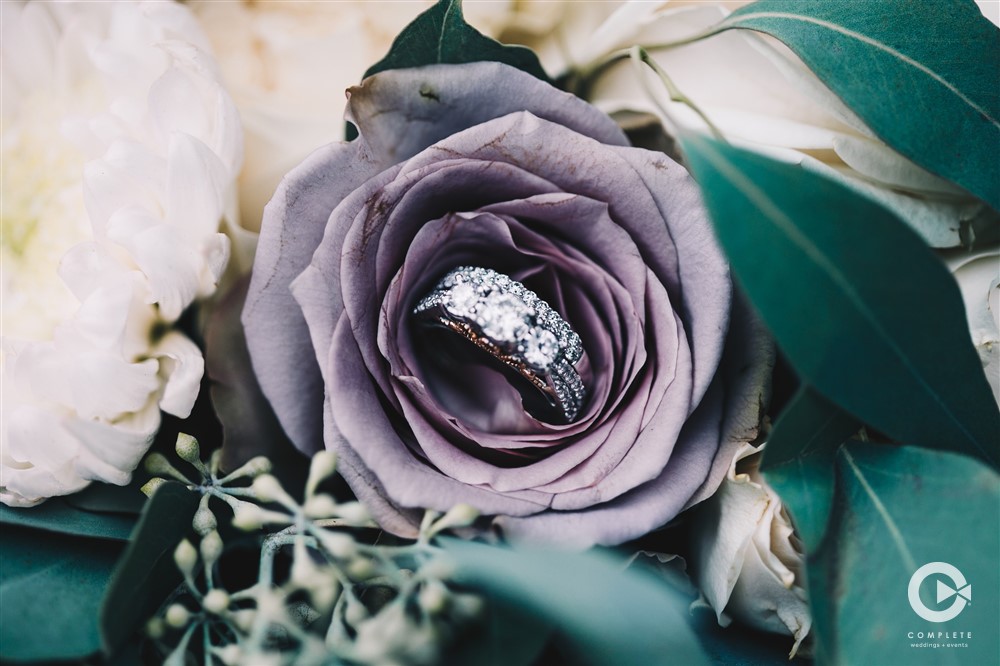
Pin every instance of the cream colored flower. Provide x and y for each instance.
(289, 64)
(119, 154)
(978, 277)
(746, 558)
(990, 9)
(762, 97)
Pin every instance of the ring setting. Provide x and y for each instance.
(510, 322)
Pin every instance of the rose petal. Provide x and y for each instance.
(401, 112)
(363, 423)
(703, 454)
(874, 159)
(652, 442)
(297, 215)
(642, 509)
(295, 221)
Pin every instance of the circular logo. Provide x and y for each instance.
(960, 589)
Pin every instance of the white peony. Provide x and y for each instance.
(746, 558)
(762, 97)
(119, 153)
(288, 66)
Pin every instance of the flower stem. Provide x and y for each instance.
(581, 80)
(640, 57)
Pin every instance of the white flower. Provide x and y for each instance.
(978, 277)
(288, 65)
(746, 558)
(119, 152)
(762, 97)
(990, 9)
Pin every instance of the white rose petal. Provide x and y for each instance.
(762, 97)
(978, 277)
(120, 151)
(938, 221)
(874, 160)
(746, 558)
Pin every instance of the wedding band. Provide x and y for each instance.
(509, 321)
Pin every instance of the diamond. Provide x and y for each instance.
(503, 316)
(540, 348)
(461, 300)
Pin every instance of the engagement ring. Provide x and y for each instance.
(509, 321)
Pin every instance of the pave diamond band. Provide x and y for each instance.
(503, 317)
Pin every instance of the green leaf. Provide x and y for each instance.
(739, 645)
(596, 605)
(733, 645)
(921, 75)
(504, 637)
(108, 498)
(51, 587)
(896, 509)
(146, 573)
(440, 35)
(58, 515)
(807, 424)
(805, 485)
(862, 308)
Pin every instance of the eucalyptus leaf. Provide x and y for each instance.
(738, 645)
(440, 35)
(146, 573)
(51, 587)
(108, 498)
(733, 645)
(809, 423)
(58, 515)
(504, 637)
(862, 308)
(921, 75)
(607, 615)
(805, 485)
(896, 509)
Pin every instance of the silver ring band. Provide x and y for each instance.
(503, 317)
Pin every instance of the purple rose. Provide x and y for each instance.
(483, 165)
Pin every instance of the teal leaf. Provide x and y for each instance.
(921, 75)
(59, 515)
(805, 485)
(146, 573)
(862, 308)
(737, 644)
(896, 509)
(809, 423)
(51, 587)
(733, 645)
(598, 607)
(108, 498)
(440, 35)
(503, 637)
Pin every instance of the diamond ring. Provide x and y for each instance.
(510, 322)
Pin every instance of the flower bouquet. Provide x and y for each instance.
(602, 333)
